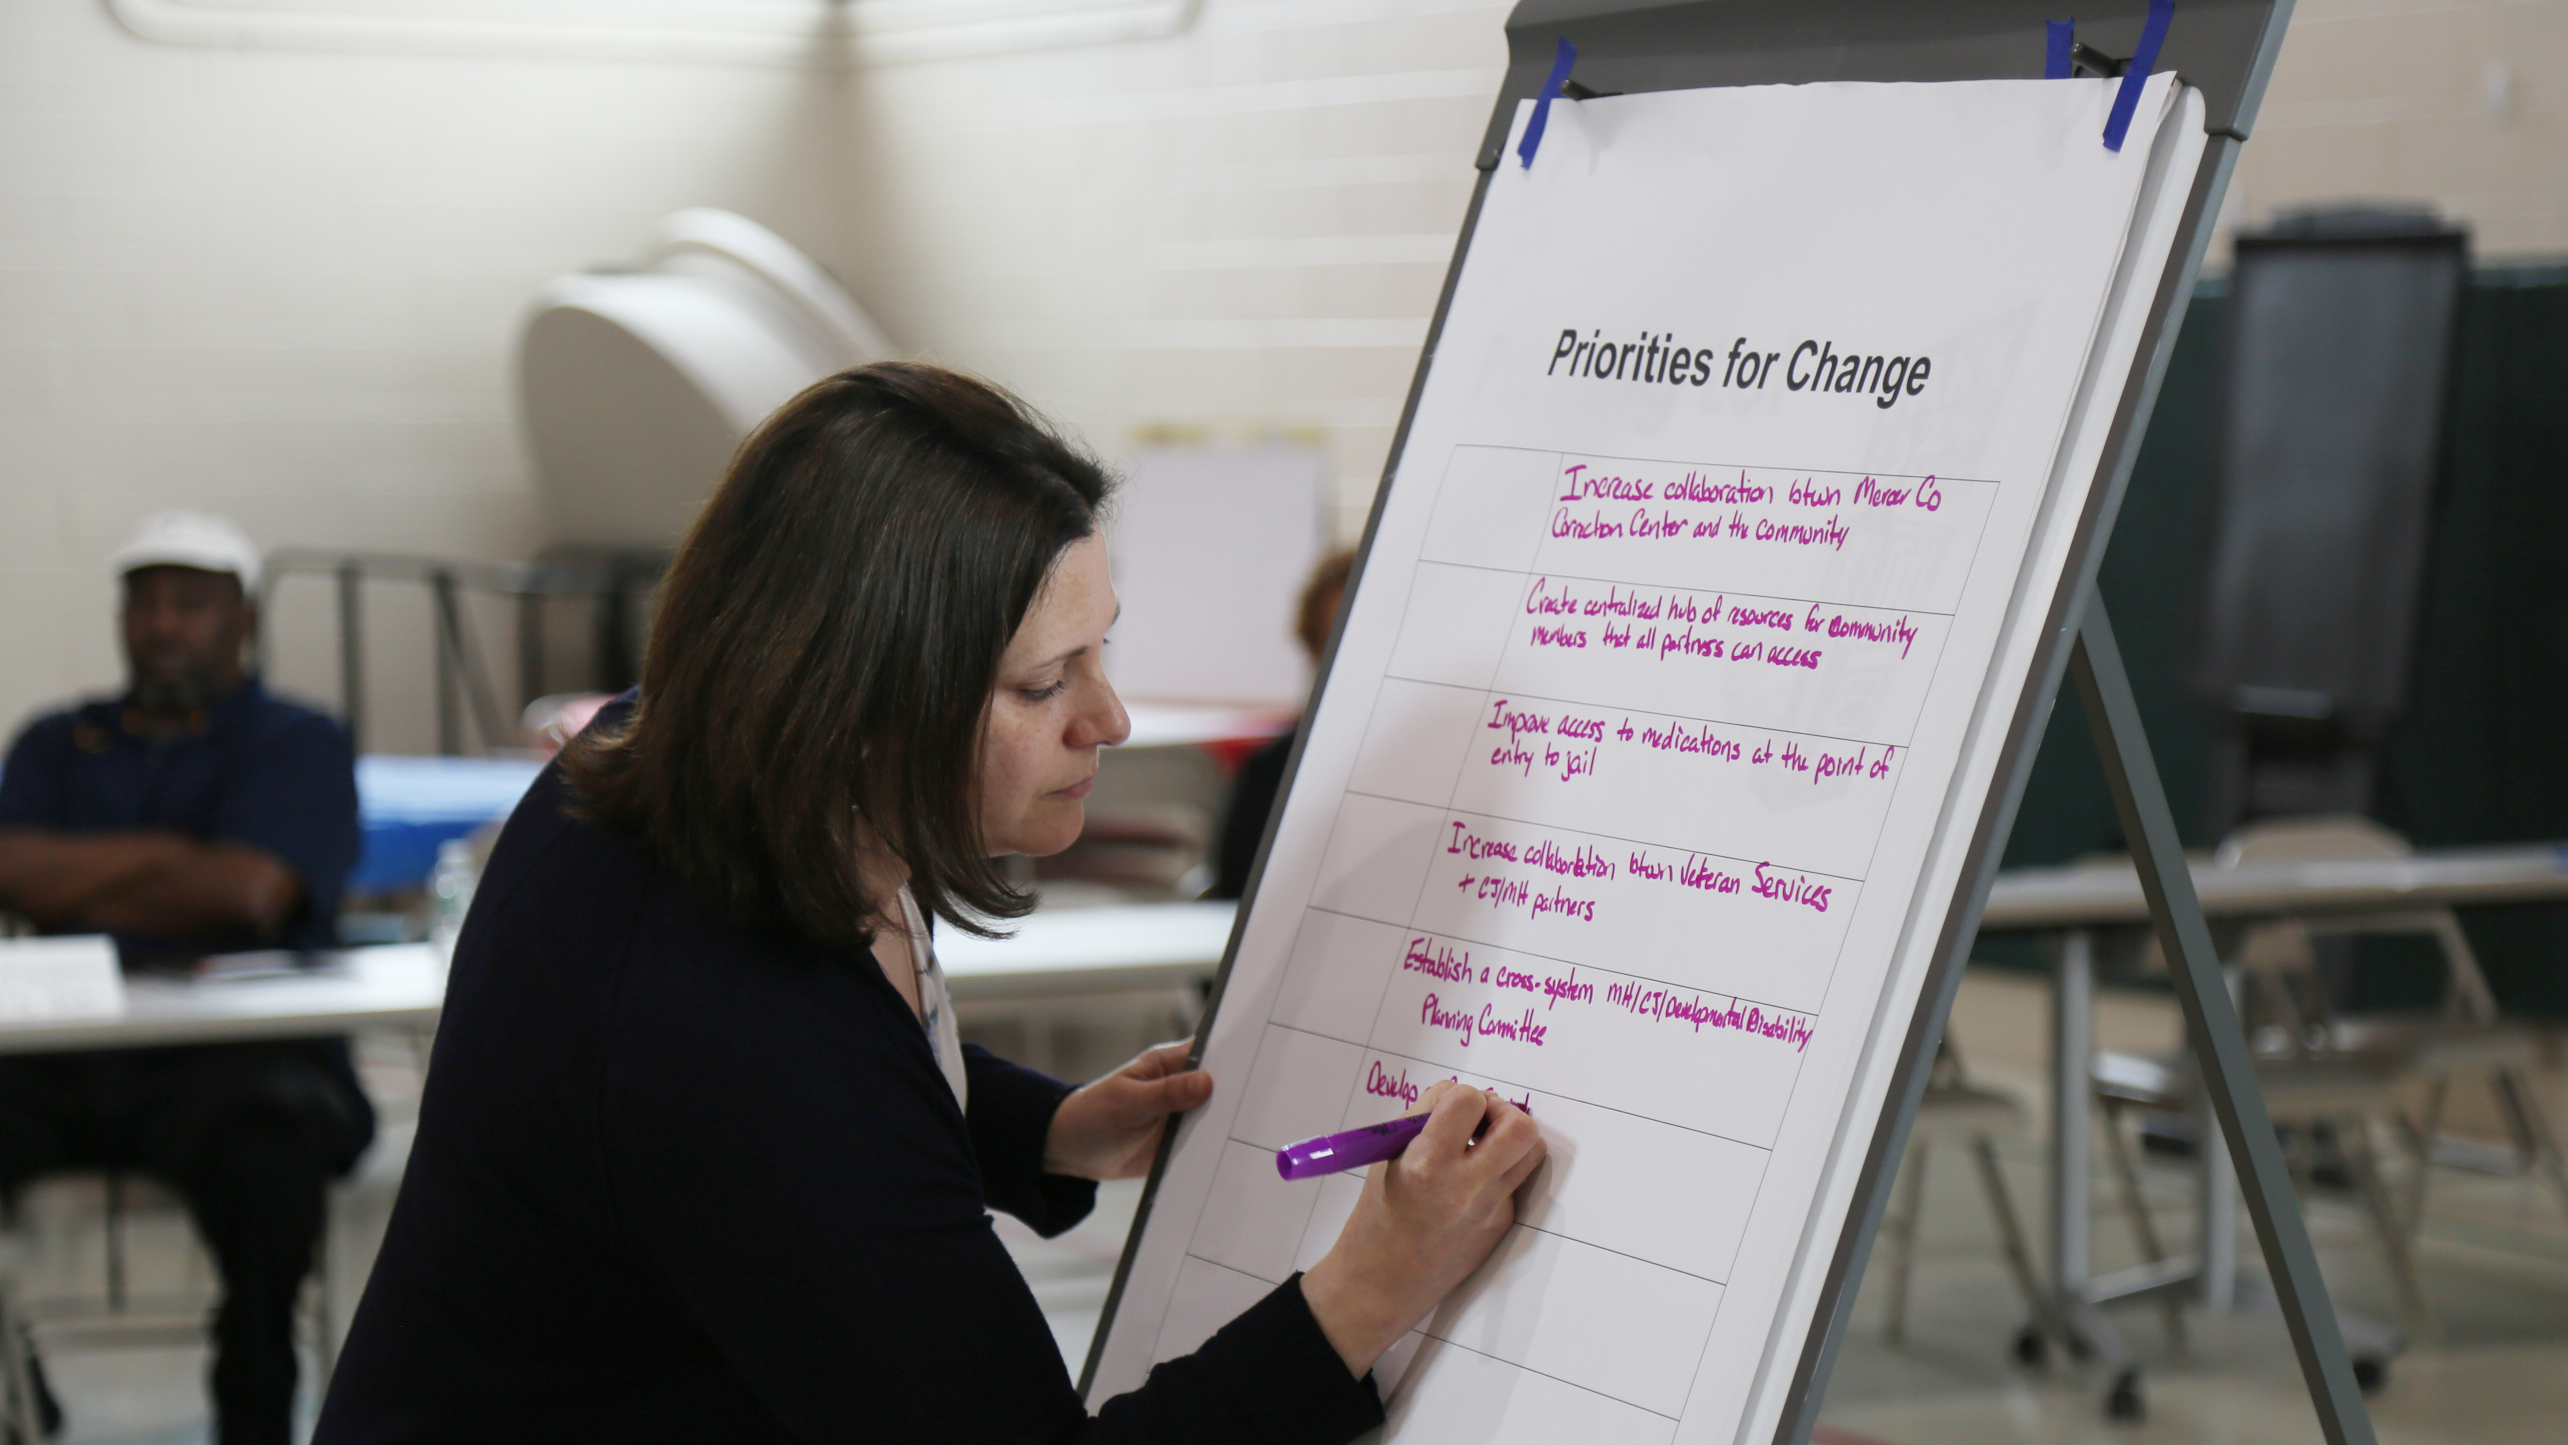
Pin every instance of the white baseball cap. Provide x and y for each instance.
(191, 539)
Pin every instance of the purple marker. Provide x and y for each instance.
(1353, 1149)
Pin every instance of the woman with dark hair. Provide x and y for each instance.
(700, 1156)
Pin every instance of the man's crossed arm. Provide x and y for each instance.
(143, 881)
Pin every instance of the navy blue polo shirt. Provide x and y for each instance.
(254, 770)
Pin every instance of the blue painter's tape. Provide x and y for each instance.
(2153, 34)
(1562, 60)
(2055, 63)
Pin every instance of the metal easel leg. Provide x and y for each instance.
(2215, 1212)
(2211, 1024)
(2072, 1055)
(2082, 1327)
(2144, 1228)
(20, 1413)
(25, 1418)
(2539, 1144)
(2215, 1203)
(2420, 1139)
(1901, 1229)
(2010, 1236)
(2382, 1207)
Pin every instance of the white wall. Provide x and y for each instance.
(285, 284)
(1239, 229)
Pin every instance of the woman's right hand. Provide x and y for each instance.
(1426, 1220)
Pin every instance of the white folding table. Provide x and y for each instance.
(1057, 951)
(396, 985)
(1105, 949)
(2077, 901)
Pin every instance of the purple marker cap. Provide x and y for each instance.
(1353, 1149)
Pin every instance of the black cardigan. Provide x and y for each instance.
(678, 1181)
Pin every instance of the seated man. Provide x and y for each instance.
(194, 814)
(1261, 775)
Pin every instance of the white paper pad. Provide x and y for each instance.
(1671, 691)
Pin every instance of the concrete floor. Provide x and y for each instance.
(2495, 1264)
(2494, 1258)
(2494, 1261)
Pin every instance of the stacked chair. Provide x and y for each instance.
(1954, 1112)
(2343, 1083)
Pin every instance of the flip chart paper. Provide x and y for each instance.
(1746, 461)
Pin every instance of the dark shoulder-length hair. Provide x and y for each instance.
(825, 646)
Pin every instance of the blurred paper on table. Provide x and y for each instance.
(59, 978)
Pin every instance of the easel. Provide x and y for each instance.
(2226, 48)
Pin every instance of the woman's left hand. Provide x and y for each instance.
(1110, 1128)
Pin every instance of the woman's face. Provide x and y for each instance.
(1051, 711)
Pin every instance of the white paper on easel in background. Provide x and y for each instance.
(1212, 545)
(1639, 781)
(43, 979)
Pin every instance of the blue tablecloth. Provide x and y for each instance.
(410, 805)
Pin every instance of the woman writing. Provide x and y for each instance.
(700, 1156)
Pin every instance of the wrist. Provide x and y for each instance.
(1356, 1319)
(1058, 1156)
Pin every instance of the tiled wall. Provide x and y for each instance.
(285, 284)
(1242, 228)
(2463, 103)
(1246, 226)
